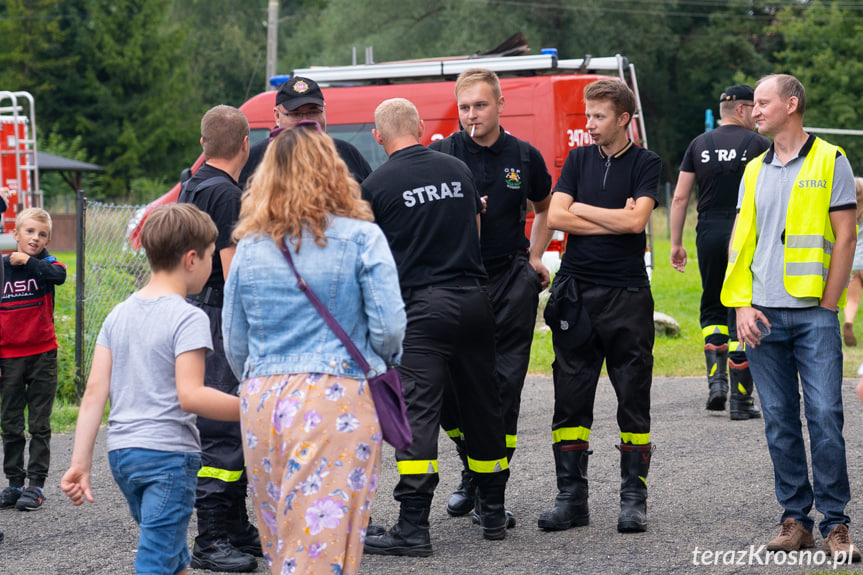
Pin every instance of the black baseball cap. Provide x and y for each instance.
(299, 91)
(738, 92)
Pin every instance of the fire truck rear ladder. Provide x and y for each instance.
(18, 109)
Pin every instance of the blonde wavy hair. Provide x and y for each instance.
(300, 184)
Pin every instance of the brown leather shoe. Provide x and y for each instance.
(792, 537)
(848, 334)
(839, 543)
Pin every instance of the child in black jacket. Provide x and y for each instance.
(28, 358)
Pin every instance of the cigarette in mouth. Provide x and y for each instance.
(472, 130)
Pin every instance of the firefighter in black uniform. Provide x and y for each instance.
(428, 208)
(226, 540)
(508, 172)
(301, 99)
(715, 161)
(602, 306)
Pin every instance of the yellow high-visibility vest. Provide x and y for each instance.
(809, 237)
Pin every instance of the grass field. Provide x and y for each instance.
(676, 294)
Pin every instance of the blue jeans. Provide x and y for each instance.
(160, 489)
(807, 342)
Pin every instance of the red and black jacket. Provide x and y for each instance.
(27, 306)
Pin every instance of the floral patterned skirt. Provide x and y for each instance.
(313, 446)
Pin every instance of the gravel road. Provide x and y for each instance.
(711, 489)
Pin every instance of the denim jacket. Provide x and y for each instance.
(270, 327)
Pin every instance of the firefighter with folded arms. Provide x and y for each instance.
(602, 306)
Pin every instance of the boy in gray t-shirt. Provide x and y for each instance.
(149, 360)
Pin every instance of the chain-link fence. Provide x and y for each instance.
(109, 271)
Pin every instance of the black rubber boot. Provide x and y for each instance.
(634, 465)
(213, 550)
(492, 513)
(409, 537)
(742, 403)
(717, 375)
(242, 534)
(461, 502)
(570, 506)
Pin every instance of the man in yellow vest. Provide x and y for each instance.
(788, 266)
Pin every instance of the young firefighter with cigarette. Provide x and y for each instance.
(508, 172)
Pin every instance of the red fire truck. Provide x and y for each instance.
(544, 104)
(18, 167)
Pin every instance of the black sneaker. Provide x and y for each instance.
(9, 496)
(31, 499)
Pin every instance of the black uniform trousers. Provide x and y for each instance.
(712, 238)
(622, 334)
(447, 371)
(514, 288)
(222, 478)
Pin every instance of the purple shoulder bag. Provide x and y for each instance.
(386, 388)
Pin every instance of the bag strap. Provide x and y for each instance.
(187, 195)
(328, 317)
(524, 156)
(741, 149)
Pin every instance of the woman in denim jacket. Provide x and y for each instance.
(311, 437)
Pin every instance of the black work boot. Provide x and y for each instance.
(717, 375)
(570, 505)
(461, 502)
(492, 513)
(213, 550)
(742, 403)
(634, 465)
(477, 520)
(242, 534)
(409, 537)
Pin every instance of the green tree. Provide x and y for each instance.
(823, 50)
(124, 93)
(30, 35)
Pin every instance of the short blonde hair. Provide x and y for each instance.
(475, 75)
(299, 185)
(37, 214)
(171, 231)
(397, 117)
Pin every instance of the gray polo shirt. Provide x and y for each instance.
(772, 193)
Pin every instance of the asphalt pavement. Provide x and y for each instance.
(711, 503)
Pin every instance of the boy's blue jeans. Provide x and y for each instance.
(160, 489)
(804, 341)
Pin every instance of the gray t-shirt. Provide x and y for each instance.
(771, 205)
(145, 337)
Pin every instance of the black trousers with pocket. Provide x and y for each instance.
(622, 335)
(448, 374)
